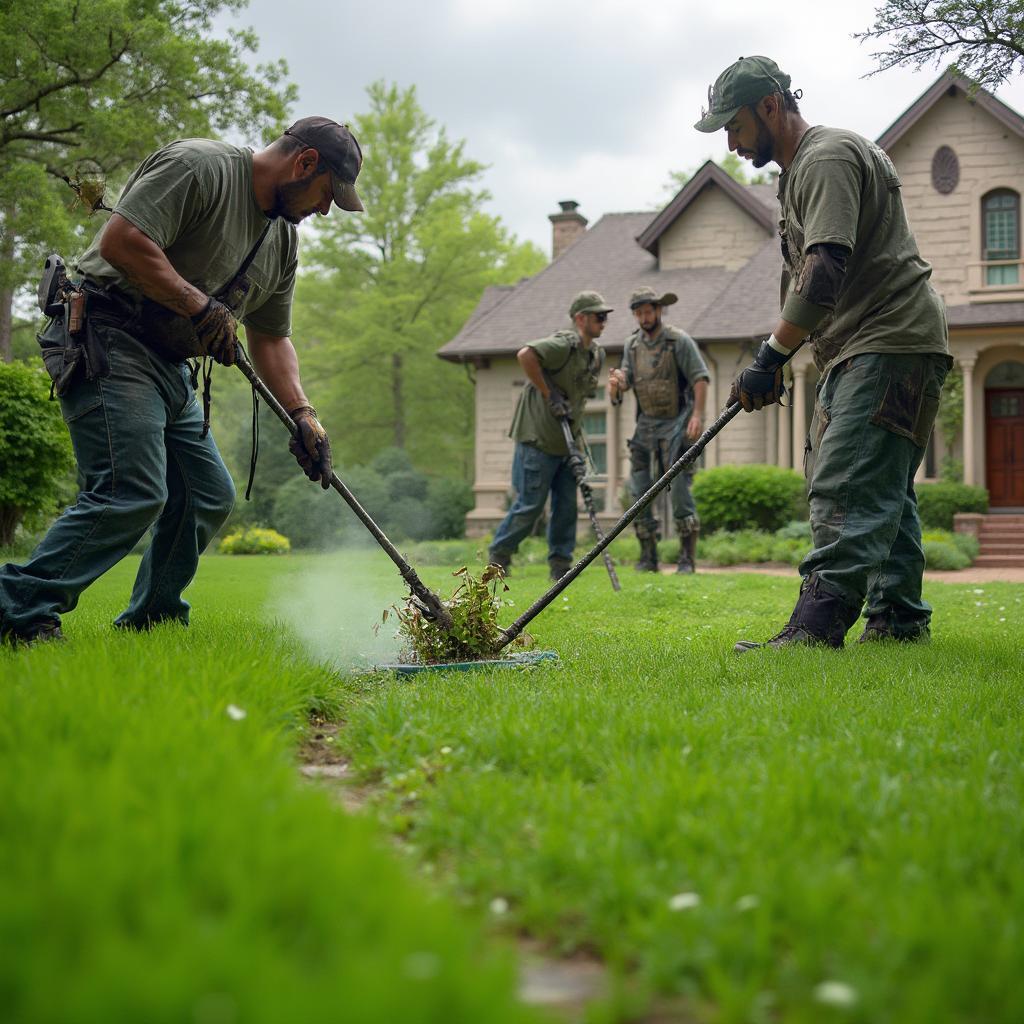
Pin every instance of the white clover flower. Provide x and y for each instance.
(499, 906)
(684, 901)
(748, 902)
(835, 993)
(446, 750)
(235, 713)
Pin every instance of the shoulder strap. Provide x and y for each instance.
(247, 262)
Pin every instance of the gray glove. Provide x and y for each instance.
(558, 403)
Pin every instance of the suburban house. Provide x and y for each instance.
(960, 156)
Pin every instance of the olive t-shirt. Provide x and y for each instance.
(843, 189)
(195, 199)
(574, 370)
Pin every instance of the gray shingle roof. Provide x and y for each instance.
(987, 314)
(605, 258)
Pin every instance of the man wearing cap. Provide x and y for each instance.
(562, 372)
(855, 284)
(189, 218)
(664, 367)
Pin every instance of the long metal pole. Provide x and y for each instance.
(430, 603)
(588, 496)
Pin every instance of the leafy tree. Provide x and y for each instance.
(87, 89)
(983, 38)
(732, 164)
(390, 286)
(35, 450)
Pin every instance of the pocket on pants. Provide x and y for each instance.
(907, 407)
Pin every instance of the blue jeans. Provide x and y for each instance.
(872, 418)
(142, 463)
(535, 475)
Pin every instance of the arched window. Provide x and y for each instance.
(1000, 214)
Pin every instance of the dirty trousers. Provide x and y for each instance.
(667, 437)
(872, 418)
(142, 463)
(535, 474)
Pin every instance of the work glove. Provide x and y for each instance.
(217, 332)
(311, 446)
(558, 403)
(760, 384)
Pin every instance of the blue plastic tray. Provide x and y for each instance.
(524, 659)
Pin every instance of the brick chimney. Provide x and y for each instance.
(567, 225)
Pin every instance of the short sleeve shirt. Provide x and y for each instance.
(195, 199)
(843, 189)
(574, 369)
(689, 362)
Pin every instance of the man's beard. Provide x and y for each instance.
(765, 142)
(286, 200)
(653, 329)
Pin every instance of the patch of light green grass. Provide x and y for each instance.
(800, 836)
(160, 858)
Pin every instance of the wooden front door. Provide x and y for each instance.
(1004, 446)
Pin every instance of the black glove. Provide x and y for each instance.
(577, 467)
(558, 403)
(760, 384)
(217, 331)
(311, 446)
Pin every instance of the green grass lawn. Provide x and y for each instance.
(813, 836)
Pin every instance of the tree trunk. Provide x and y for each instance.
(397, 406)
(6, 303)
(10, 516)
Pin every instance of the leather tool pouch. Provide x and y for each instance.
(70, 345)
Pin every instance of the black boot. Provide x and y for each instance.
(819, 618)
(500, 558)
(559, 567)
(687, 553)
(882, 626)
(648, 561)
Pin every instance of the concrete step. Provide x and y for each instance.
(1014, 520)
(1002, 549)
(999, 562)
(1002, 537)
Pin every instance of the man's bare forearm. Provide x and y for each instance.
(534, 371)
(147, 269)
(700, 397)
(276, 362)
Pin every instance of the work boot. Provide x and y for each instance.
(559, 567)
(32, 634)
(500, 558)
(687, 554)
(648, 555)
(819, 619)
(881, 627)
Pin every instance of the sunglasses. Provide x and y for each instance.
(600, 317)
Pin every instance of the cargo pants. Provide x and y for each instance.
(654, 446)
(872, 418)
(142, 463)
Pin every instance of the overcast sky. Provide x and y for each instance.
(592, 100)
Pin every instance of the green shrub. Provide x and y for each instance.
(255, 541)
(937, 503)
(748, 497)
(448, 501)
(945, 550)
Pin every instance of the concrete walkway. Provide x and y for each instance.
(969, 575)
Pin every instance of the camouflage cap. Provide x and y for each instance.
(589, 302)
(644, 295)
(740, 84)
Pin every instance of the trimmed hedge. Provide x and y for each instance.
(748, 497)
(255, 541)
(938, 503)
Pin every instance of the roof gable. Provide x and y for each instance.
(709, 174)
(1006, 115)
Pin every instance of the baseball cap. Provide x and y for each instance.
(740, 84)
(338, 149)
(644, 295)
(589, 302)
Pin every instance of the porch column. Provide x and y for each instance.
(785, 444)
(799, 415)
(611, 493)
(967, 368)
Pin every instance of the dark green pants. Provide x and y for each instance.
(137, 440)
(872, 418)
(656, 445)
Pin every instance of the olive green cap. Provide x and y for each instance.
(740, 84)
(644, 295)
(589, 302)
